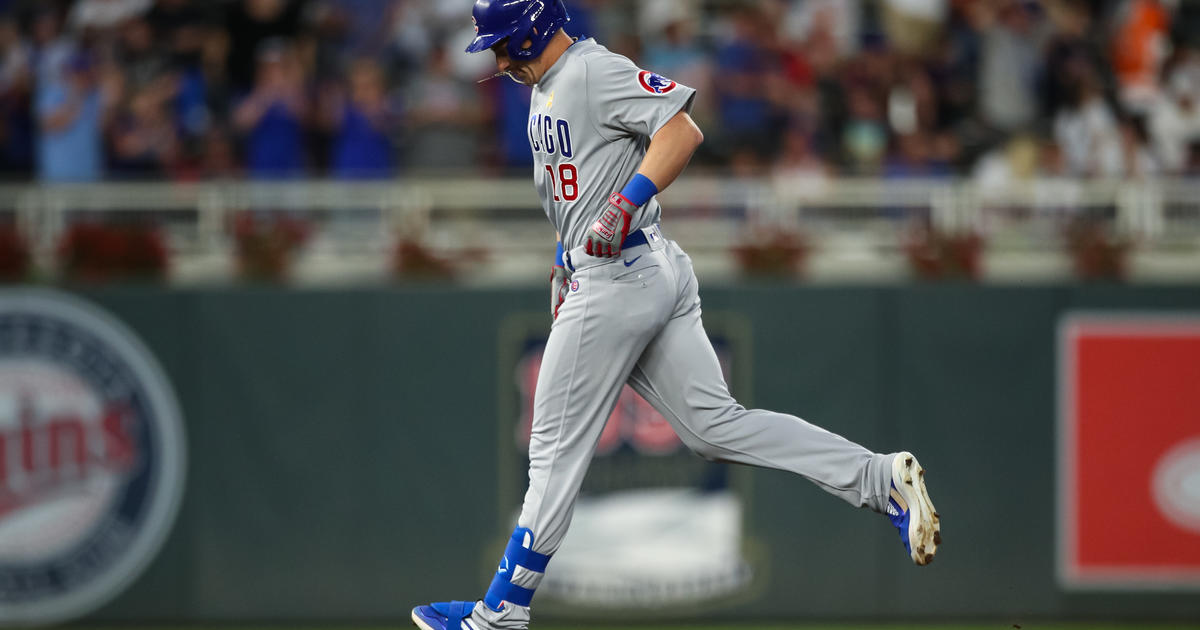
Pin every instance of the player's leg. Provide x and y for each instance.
(679, 374)
(583, 369)
(600, 332)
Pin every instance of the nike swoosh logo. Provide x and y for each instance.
(629, 263)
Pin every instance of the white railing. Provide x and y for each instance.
(857, 226)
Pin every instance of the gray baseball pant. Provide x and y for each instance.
(636, 319)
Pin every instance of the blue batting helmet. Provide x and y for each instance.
(517, 20)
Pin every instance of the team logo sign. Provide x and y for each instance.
(91, 457)
(1129, 452)
(655, 83)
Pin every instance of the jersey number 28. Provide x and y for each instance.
(569, 191)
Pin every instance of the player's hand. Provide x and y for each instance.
(558, 288)
(609, 231)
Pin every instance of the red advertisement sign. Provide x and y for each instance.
(1129, 452)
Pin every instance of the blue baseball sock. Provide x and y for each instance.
(520, 571)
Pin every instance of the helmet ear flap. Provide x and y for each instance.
(518, 40)
(524, 30)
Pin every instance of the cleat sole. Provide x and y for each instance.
(924, 529)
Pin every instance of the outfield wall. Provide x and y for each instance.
(350, 450)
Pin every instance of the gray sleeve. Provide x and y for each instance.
(627, 100)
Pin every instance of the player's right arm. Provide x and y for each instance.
(627, 101)
(670, 150)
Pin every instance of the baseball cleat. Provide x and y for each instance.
(445, 616)
(911, 511)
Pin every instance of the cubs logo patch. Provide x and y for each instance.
(655, 83)
(574, 285)
(91, 457)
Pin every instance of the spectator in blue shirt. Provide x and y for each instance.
(363, 126)
(744, 65)
(273, 116)
(70, 115)
(512, 112)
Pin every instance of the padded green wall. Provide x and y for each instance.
(343, 448)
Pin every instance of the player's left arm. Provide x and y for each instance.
(558, 278)
(670, 150)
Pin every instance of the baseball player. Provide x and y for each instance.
(606, 137)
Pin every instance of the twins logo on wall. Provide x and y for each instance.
(1129, 452)
(91, 457)
(657, 528)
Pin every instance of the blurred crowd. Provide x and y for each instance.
(992, 89)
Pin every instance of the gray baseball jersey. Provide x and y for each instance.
(636, 319)
(591, 118)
